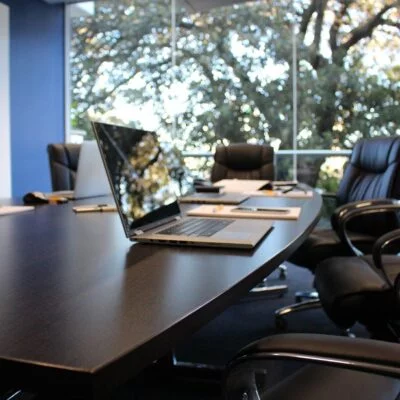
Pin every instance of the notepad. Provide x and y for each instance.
(6, 210)
(240, 185)
(286, 213)
(294, 194)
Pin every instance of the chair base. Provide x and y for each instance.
(282, 271)
(348, 333)
(263, 289)
(279, 290)
(306, 295)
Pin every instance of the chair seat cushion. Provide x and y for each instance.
(324, 243)
(315, 382)
(351, 289)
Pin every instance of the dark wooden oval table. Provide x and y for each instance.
(82, 306)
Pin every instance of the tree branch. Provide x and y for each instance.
(314, 51)
(337, 23)
(366, 29)
(307, 14)
(391, 23)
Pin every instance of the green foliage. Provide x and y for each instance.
(328, 182)
(232, 79)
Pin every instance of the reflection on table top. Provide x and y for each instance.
(81, 302)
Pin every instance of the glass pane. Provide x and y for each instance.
(328, 174)
(233, 79)
(121, 65)
(201, 76)
(348, 72)
(225, 79)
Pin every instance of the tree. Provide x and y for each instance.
(233, 75)
(347, 95)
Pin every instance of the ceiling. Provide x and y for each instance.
(62, 1)
(204, 5)
(191, 5)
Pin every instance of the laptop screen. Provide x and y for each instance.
(138, 173)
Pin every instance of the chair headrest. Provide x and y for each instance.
(244, 156)
(376, 154)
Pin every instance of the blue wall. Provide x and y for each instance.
(36, 89)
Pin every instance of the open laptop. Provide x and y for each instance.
(91, 178)
(146, 196)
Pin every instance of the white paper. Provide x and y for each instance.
(240, 185)
(6, 210)
(234, 212)
(295, 194)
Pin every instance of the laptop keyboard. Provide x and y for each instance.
(197, 227)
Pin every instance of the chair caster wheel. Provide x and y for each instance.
(282, 275)
(347, 333)
(298, 299)
(281, 323)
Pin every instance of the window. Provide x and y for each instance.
(303, 76)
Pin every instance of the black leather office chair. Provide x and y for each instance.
(247, 161)
(364, 289)
(372, 173)
(314, 367)
(63, 161)
(243, 161)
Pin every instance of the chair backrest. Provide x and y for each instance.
(63, 160)
(243, 161)
(373, 172)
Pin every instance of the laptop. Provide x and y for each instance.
(146, 195)
(91, 178)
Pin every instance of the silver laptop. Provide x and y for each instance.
(146, 196)
(91, 178)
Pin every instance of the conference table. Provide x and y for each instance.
(83, 309)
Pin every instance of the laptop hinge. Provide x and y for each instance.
(157, 224)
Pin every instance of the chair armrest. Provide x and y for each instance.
(341, 211)
(380, 246)
(366, 355)
(359, 209)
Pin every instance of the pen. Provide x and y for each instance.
(298, 187)
(95, 208)
(261, 209)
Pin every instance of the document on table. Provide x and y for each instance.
(253, 187)
(6, 210)
(246, 212)
(241, 185)
(295, 194)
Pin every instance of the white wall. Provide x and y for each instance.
(5, 148)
